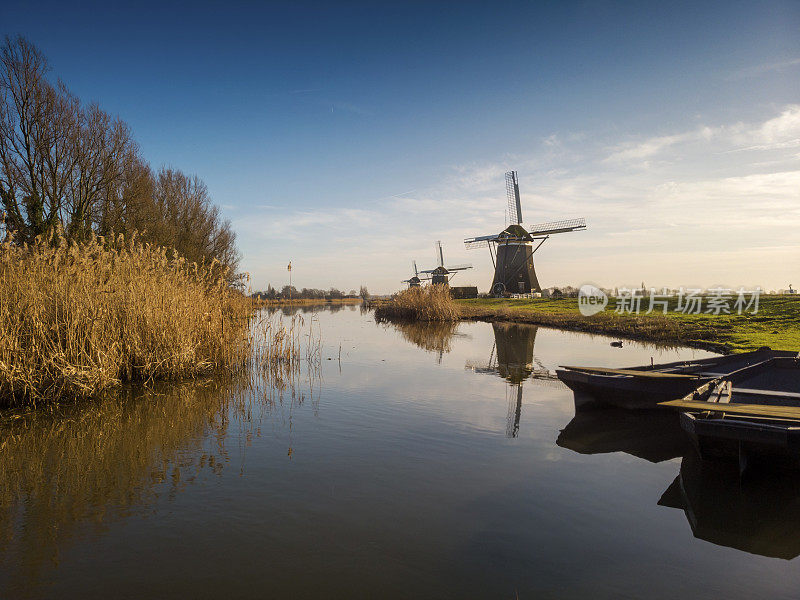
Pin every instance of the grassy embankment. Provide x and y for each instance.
(78, 319)
(777, 323)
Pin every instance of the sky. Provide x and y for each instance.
(348, 137)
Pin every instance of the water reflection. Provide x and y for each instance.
(759, 516)
(431, 336)
(405, 483)
(513, 359)
(652, 435)
(81, 467)
(289, 310)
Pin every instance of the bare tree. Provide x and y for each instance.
(63, 164)
(189, 222)
(37, 129)
(102, 147)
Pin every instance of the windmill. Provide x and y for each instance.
(415, 280)
(441, 274)
(512, 249)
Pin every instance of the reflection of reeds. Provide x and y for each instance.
(428, 303)
(91, 463)
(433, 336)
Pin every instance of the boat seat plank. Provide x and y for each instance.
(761, 410)
(631, 372)
(766, 393)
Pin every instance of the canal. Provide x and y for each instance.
(416, 461)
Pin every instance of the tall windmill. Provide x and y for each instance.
(414, 280)
(512, 249)
(441, 274)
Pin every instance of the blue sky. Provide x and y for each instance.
(348, 137)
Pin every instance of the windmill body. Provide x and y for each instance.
(442, 275)
(513, 248)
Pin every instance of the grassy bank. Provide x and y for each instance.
(77, 319)
(777, 323)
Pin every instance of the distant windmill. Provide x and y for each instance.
(442, 274)
(512, 249)
(415, 280)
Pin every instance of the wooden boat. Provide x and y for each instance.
(644, 387)
(751, 415)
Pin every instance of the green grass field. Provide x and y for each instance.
(776, 324)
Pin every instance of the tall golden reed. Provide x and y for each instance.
(428, 303)
(76, 319)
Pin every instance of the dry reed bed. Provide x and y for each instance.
(76, 319)
(428, 303)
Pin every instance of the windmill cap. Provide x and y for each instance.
(516, 231)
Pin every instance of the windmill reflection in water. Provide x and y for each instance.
(513, 359)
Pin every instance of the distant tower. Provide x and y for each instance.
(512, 249)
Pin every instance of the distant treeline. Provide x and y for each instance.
(290, 292)
(71, 166)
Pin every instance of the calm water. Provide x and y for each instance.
(429, 462)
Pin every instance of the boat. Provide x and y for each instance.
(645, 387)
(752, 415)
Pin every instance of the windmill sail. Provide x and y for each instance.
(557, 227)
(512, 192)
(458, 267)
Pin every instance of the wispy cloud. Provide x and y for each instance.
(763, 69)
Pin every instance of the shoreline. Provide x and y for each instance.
(591, 327)
(777, 323)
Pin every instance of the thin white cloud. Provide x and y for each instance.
(763, 69)
(785, 127)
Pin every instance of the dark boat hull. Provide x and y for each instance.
(744, 439)
(625, 392)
